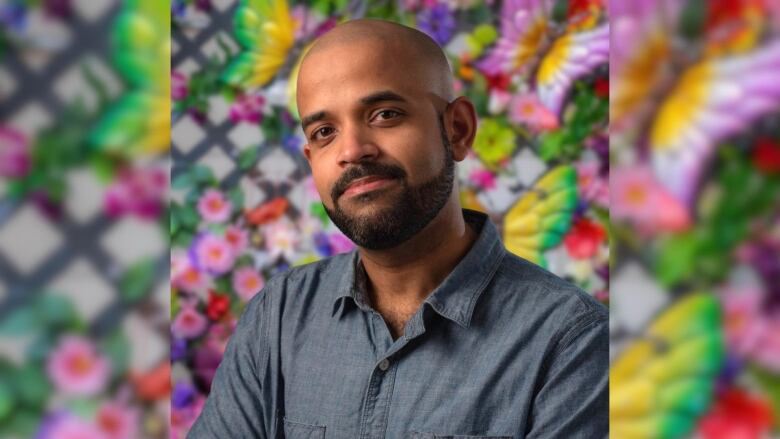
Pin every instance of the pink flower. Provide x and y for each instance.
(247, 282)
(526, 109)
(590, 185)
(141, 192)
(483, 179)
(15, 159)
(71, 427)
(118, 421)
(340, 243)
(76, 368)
(247, 108)
(185, 275)
(751, 330)
(214, 254)
(178, 86)
(189, 323)
(214, 207)
(238, 238)
(637, 197)
(281, 239)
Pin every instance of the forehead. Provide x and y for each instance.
(341, 75)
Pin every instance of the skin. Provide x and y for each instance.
(360, 59)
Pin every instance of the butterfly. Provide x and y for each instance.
(689, 99)
(664, 380)
(140, 121)
(541, 216)
(266, 31)
(553, 50)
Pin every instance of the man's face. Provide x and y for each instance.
(376, 143)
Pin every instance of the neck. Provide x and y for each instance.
(402, 277)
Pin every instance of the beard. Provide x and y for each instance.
(413, 209)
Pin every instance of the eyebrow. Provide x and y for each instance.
(373, 98)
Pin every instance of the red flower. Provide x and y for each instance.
(601, 87)
(584, 238)
(766, 155)
(498, 81)
(737, 415)
(217, 306)
(267, 212)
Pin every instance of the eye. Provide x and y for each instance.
(387, 114)
(321, 132)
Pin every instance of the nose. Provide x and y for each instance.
(356, 145)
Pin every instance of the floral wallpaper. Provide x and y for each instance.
(537, 74)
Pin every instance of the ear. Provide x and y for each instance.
(307, 153)
(461, 126)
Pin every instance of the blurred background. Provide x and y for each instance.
(151, 180)
(695, 210)
(244, 205)
(84, 249)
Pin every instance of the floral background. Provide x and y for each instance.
(84, 295)
(244, 206)
(695, 191)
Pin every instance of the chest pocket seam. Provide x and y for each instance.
(300, 430)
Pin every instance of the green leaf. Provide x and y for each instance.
(182, 181)
(677, 258)
(247, 158)
(32, 386)
(188, 217)
(19, 322)
(55, 310)
(236, 196)
(202, 175)
(318, 210)
(117, 348)
(6, 399)
(183, 239)
(137, 280)
(23, 423)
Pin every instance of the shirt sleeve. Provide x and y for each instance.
(573, 400)
(239, 403)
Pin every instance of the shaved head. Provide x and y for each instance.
(418, 53)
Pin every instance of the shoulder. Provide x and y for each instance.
(533, 294)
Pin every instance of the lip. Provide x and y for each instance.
(366, 184)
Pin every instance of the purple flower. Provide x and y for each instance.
(14, 16)
(178, 348)
(58, 8)
(322, 244)
(183, 395)
(437, 22)
(15, 157)
(179, 85)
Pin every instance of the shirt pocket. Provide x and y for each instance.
(420, 435)
(299, 430)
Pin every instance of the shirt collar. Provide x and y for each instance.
(457, 295)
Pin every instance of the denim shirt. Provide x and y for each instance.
(502, 348)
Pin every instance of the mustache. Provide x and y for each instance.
(355, 172)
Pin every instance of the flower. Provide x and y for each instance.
(281, 239)
(339, 243)
(72, 427)
(154, 384)
(494, 143)
(76, 368)
(591, 185)
(118, 421)
(247, 282)
(141, 192)
(737, 414)
(526, 109)
(267, 212)
(766, 155)
(183, 395)
(247, 107)
(637, 197)
(214, 254)
(213, 206)
(751, 329)
(237, 237)
(189, 323)
(483, 179)
(218, 305)
(584, 239)
(15, 159)
(437, 22)
(179, 86)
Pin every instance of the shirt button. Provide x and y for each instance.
(384, 364)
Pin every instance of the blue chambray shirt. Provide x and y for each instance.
(502, 348)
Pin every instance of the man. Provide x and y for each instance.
(430, 328)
